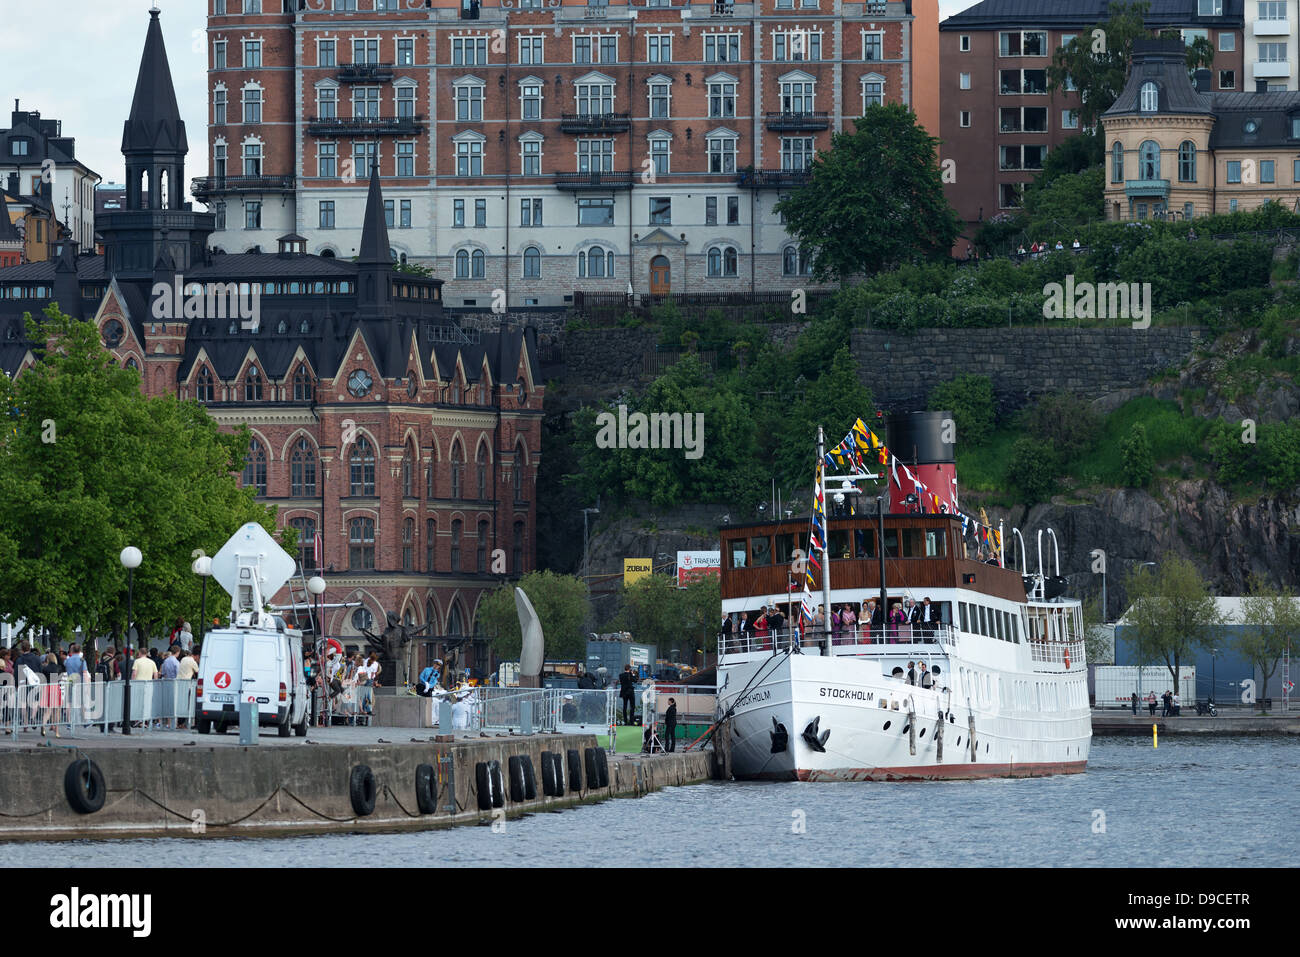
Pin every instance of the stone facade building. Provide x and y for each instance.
(1177, 148)
(531, 149)
(403, 448)
(41, 161)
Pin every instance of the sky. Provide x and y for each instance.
(81, 69)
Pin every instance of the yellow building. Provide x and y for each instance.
(1177, 150)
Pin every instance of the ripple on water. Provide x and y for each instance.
(1191, 802)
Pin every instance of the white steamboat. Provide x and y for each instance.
(1008, 694)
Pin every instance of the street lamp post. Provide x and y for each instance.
(202, 567)
(316, 585)
(130, 559)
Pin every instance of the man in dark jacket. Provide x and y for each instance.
(670, 726)
(877, 622)
(627, 692)
(26, 657)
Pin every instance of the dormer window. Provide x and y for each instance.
(1150, 97)
(1250, 127)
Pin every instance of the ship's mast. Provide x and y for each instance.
(826, 543)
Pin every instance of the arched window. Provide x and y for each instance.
(1117, 163)
(1187, 162)
(361, 544)
(1149, 160)
(302, 385)
(722, 261)
(361, 468)
(408, 474)
(796, 261)
(457, 470)
(521, 456)
(517, 554)
(477, 264)
(430, 537)
(306, 528)
(362, 618)
(596, 263)
(462, 264)
(430, 618)
(455, 544)
(482, 544)
(203, 390)
(1150, 94)
(253, 385)
(532, 263)
(255, 468)
(428, 480)
(302, 469)
(481, 470)
(408, 545)
(455, 623)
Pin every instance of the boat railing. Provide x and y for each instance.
(1065, 653)
(846, 641)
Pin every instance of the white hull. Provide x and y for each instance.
(1027, 721)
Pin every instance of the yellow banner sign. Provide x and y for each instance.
(634, 569)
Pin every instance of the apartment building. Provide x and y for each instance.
(530, 149)
(999, 119)
(41, 162)
(1271, 45)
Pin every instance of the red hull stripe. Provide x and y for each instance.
(933, 772)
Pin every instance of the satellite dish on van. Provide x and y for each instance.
(531, 651)
(251, 556)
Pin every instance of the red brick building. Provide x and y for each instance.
(408, 445)
(541, 148)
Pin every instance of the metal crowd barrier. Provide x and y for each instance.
(77, 705)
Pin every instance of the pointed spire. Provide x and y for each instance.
(374, 249)
(155, 123)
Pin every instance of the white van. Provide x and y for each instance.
(261, 665)
(257, 658)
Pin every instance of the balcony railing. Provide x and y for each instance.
(596, 11)
(215, 185)
(722, 8)
(596, 179)
(335, 125)
(773, 178)
(1147, 187)
(356, 72)
(792, 120)
(594, 122)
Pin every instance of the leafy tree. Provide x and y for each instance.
(1098, 64)
(970, 400)
(1099, 640)
(702, 612)
(561, 604)
(875, 198)
(653, 611)
(1139, 462)
(1172, 613)
(92, 466)
(1272, 619)
(834, 401)
(1071, 199)
(1033, 470)
(1074, 155)
(1064, 422)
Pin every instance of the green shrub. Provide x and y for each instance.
(970, 400)
(1033, 470)
(1139, 463)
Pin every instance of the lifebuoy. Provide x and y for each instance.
(426, 789)
(363, 790)
(83, 783)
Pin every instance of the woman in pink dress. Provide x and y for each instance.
(849, 621)
(837, 626)
(896, 618)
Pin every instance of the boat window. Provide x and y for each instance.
(760, 550)
(1002, 625)
(738, 553)
(936, 543)
(839, 544)
(983, 627)
(864, 543)
(965, 616)
(891, 543)
(785, 546)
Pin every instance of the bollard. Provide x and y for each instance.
(248, 722)
(444, 716)
(525, 717)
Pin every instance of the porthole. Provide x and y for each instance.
(959, 740)
(986, 749)
(886, 727)
(905, 729)
(923, 732)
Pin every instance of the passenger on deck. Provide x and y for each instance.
(896, 620)
(929, 620)
(776, 621)
(761, 630)
(837, 626)
(911, 672)
(927, 679)
(870, 620)
(849, 621)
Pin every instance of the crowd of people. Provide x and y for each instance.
(1171, 701)
(850, 623)
(350, 681)
(57, 669)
